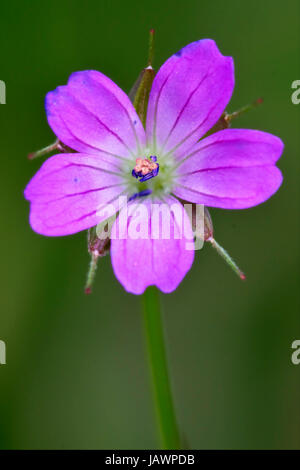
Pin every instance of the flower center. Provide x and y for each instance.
(145, 168)
(140, 175)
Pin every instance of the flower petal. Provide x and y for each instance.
(188, 96)
(232, 169)
(92, 113)
(153, 260)
(72, 192)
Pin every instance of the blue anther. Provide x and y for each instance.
(143, 193)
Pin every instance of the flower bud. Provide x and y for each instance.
(140, 91)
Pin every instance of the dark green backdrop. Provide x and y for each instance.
(76, 374)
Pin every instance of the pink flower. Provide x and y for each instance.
(231, 169)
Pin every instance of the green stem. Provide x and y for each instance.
(91, 273)
(222, 252)
(159, 371)
(44, 151)
(244, 109)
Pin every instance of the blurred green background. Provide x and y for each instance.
(76, 373)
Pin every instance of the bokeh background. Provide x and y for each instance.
(76, 373)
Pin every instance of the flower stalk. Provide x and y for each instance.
(56, 146)
(225, 120)
(169, 433)
(209, 237)
(227, 258)
(91, 273)
(44, 151)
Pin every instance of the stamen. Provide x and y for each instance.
(143, 193)
(145, 168)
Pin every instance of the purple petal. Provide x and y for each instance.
(232, 169)
(92, 113)
(139, 263)
(188, 96)
(68, 193)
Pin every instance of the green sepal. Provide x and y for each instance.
(225, 120)
(140, 91)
